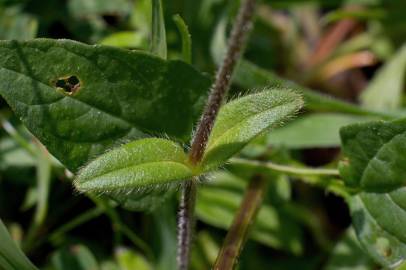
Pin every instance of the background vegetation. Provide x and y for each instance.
(353, 50)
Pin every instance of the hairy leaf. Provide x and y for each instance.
(375, 164)
(135, 170)
(241, 120)
(11, 257)
(80, 100)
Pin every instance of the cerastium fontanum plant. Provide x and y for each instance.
(121, 121)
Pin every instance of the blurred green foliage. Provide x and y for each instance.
(300, 226)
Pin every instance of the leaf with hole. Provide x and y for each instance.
(243, 119)
(81, 100)
(374, 163)
(136, 171)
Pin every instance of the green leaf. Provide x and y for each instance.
(205, 251)
(76, 257)
(140, 168)
(129, 260)
(243, 119)
(15, 24)
(217, 206)
(385, 89)
(12, 155)
(164, 226)
(313, 131)
(44, 176)
(91, 8)
(125, 39)
(348, 255)
(402, 266)
(375, 163)
(249, 76)
(11, 257)
(109, 265)
(80, 100)
(374, 155)
(379, 219)
(158, 39)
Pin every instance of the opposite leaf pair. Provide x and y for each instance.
(148, 166)
(121, 95)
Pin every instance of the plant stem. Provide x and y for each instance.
(219, 89)
(286, 169)
(186, 38)
(239, 35)
(186, 223)
(75, 222)
(119, 226)
(15, 135)
(311, 176)
(237, 234)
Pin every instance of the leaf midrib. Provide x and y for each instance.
(377, 223)
(376, 154)
(132, 167)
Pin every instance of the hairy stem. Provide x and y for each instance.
(236, 43)
(186, 223)
(239, 35)
(237, 234)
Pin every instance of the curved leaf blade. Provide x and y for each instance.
(375, 164)
(243, 119)
(383, 240)
(118, 95)
(11, 257)
(135, 170)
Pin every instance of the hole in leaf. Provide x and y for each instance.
(69, 85)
